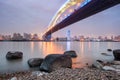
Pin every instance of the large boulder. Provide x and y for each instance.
(116, 54)
(14, 55)
(35, 62)
(56, 61)
(71, 53)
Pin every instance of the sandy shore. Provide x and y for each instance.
(63, 74)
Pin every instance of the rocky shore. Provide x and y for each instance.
(59, 67)
(64, 74)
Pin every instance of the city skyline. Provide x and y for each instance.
(29, 36)
(34, 16)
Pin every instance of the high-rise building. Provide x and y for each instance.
(117, 38)
(81, 38)
(68, 35)
(17, 36)
(27, 36)
(35, 37)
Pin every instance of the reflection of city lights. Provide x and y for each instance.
(89, 45)
(82, 47)
(32, 46)
(109, 45)
(68, 45)
(51, 48)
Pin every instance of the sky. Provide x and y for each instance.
(34, 16)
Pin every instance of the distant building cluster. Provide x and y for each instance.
(29, 37)
(92, 39)
(18, 36)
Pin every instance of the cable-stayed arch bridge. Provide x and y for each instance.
(76, 10)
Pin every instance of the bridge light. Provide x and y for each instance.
(71, 11)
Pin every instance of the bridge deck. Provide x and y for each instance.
(91, 8)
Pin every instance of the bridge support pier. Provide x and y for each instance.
(47, 37)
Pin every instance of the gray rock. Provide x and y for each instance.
(116, 62)
(98, 64)
(109, 68)
(116, 66)
(14, 55)
(56, 61)
(109, 49)
(116, 54)
(35, 62)
(105, 54)
(38, 73)
(71, 53)
(14, 78)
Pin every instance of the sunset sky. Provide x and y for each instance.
(33, 16)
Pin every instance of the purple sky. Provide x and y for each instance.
(33, 16)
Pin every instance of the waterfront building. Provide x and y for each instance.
(117, 38)
(1, 37)
(81, 38)
(35, 37)
(17, 36)
(68, 35)
(27, 36)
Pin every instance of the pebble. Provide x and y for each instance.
(64, 74)
(14, 78)
(108, 68)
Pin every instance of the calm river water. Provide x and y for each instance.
(87, 52)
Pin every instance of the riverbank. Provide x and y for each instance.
(64, 74)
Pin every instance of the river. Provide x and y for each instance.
(87, 52)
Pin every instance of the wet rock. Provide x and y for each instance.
(109, 49)
(109, 68)
(35, 62)
(14, 78)
(116, 54)
(116, 62)
(14, 55)
(116, 66)
(100, 61)
(106, 54)
(98, 64)
(55, 61)
(38, 73)
(71, 53)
